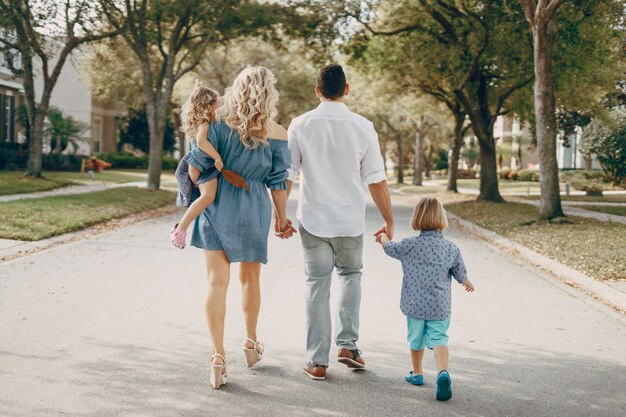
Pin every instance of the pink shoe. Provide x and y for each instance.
(178, 237)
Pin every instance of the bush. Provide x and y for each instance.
(528, 175)
(582, 175)
(508, 174)
(608, 142)
(169, 163)
(442, 162)
(13, 156)
(60, 162)
(593, 186)
(125, 160)
(135, 131)
(466, 174)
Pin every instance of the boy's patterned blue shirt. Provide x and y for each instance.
(428, 261)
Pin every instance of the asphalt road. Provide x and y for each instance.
(114, 326)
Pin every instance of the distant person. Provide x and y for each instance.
(428, 261)
(200, 167)
(336, 153)
(235, 227)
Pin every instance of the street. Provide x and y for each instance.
(114, 326)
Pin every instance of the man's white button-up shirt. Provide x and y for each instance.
(336, 151)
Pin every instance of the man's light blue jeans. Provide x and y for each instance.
(321, 256)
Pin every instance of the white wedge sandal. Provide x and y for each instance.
(218, 372)
(254, 354)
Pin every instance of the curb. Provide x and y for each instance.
(596, 289)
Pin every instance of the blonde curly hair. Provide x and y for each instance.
(199, 108)
(249, 106)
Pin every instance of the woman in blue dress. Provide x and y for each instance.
(235, 227)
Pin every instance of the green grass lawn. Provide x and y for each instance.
(39, 218)
(503, 185)
(12, 182)
(617, 210)
(591, 246)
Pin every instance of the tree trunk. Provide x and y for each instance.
(181, 135)
(418, 160)
(400, 160)
(35, 147)
(550, 202)
(428, 161)
(453, 165)
(156, 126)
(488, 174)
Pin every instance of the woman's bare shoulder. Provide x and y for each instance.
(277, 132)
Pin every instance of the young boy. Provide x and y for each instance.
(428, 261)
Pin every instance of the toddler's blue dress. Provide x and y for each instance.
(238, 221)
(187, 190)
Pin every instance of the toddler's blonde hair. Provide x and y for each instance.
(429, 214)
(199, 108)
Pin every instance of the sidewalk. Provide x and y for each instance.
(69, 190)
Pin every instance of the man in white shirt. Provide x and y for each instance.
(335, 151)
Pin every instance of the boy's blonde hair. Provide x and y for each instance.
(198, 109)
(429, 215)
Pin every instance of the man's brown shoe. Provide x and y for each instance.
(316, 372)
(351, 358)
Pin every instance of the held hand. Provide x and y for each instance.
(469, 287)
(219, 164)
(387, 229)
(284, 229)
(382, 238)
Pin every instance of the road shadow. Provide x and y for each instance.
(137, 380)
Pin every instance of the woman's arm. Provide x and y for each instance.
(205, 146)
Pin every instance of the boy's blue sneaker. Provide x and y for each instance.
(414, 379)
(444, 386)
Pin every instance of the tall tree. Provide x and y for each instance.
(44, 35)
(169, 39)
(577, 48)
(475, 50)
(541, 16)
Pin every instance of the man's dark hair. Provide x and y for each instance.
(332, 81)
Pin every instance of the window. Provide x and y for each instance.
(96, 134)
(8, 128)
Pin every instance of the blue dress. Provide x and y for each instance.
(188, 191)
(238, 221)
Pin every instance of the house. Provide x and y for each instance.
(11, 98)
(514, 136)
(102, 117)
(569, 156)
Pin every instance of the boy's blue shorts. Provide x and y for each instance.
(427, 333)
